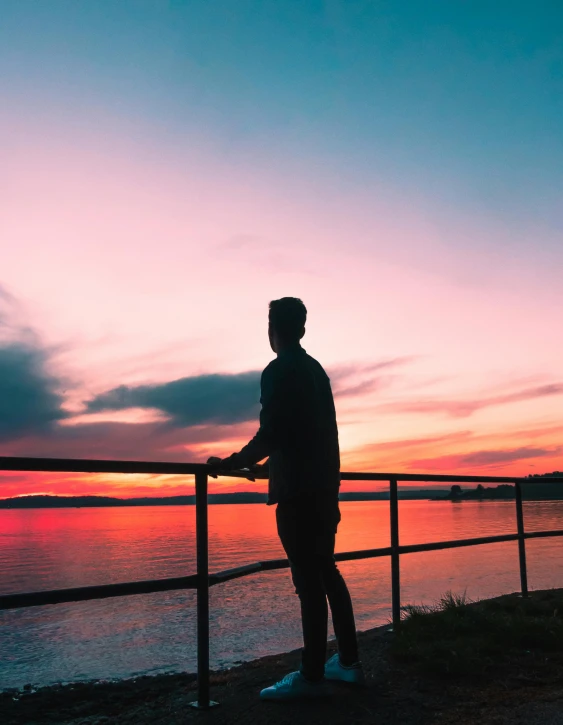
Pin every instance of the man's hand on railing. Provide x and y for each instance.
(222, 465)
(261, 468)
(217, 464)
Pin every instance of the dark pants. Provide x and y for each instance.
(307, 529)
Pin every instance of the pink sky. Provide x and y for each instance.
(130, 260)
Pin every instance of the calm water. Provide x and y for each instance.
(254, 616)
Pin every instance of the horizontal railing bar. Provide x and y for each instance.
(273, 564)
(83, 465)
(543, 534)
(235, 573)
(77, 465)
(102, 591)
(459, 543)
(363, 554)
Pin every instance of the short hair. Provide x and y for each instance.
(287, 317)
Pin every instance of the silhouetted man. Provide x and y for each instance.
(298, 432)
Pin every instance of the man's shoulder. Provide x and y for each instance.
(272, 371)
(280, 367)
(314, 364)
(284, 365)
(272, 366)
(311, 360)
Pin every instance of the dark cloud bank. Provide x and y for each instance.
(190, 401)
(30, 396)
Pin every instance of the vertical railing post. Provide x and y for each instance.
(395, 565)
(521, 539)
(202, 544)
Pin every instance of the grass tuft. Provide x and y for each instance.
(457, 637)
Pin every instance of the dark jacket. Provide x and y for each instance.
(298, 429)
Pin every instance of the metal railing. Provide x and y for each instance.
(203, 580)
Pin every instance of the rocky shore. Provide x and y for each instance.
(520, 687)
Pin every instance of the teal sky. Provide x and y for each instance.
(465, 98)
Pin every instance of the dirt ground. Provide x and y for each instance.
(393, 696)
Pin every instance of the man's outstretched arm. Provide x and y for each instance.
(276, 400)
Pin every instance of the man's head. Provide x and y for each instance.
(286, 322)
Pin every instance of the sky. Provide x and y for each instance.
(168, 168)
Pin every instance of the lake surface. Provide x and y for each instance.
(250, 617)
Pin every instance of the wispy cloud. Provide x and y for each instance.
(486, 458)
(395, 455)
(344, 371)
(407, 444)
(465, 408)
(355, 380)
(483, 458)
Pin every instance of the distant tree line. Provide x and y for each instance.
(503, 491)
(506, 491)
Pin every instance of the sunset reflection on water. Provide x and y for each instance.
(250, 617)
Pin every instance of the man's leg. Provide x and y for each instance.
(342, 612)
(314, 617)
(299, 535)
(327, 519)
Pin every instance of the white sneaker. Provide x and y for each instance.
(294, 686)
(354, 674)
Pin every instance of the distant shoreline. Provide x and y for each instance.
(504, 492)
(246, 497)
